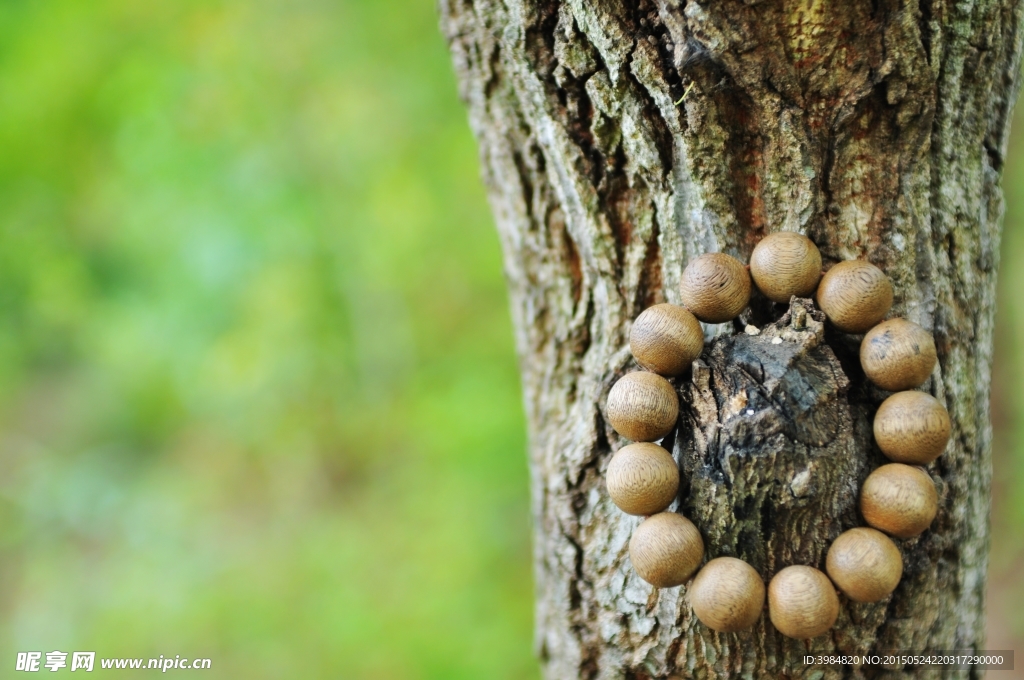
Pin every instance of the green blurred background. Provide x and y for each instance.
(258, 396)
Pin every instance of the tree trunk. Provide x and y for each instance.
(621, 139)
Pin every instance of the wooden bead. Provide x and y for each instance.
(912, 427)
(642, 406)
(865, 564)
(897, 355)
(802, 602)
(666, 549)
(785, 264)
(666, 339)
(642, 479)
(899, 499)
(855, 295)
(715, 287)
(727, 595)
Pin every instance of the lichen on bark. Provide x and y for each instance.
(878, 129)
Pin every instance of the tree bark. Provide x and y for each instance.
(619, 140)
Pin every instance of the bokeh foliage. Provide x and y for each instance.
(258, 395)
(258, 391)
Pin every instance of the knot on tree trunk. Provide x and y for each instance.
(772, 455)
(767, 444)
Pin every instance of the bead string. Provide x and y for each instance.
(910, 427)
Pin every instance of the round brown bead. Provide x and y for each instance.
(666, 549)
(865, 564)
(642, 406)
(727, 595)
(912, 427)
(785, 264)
(715, 287)
(855, 295)
(802, 602)
(666, 339)
(897, 355)
(899, 499)
(642, 479)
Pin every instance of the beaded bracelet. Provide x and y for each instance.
(910, 427)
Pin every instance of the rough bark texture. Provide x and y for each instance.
(876, 128)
